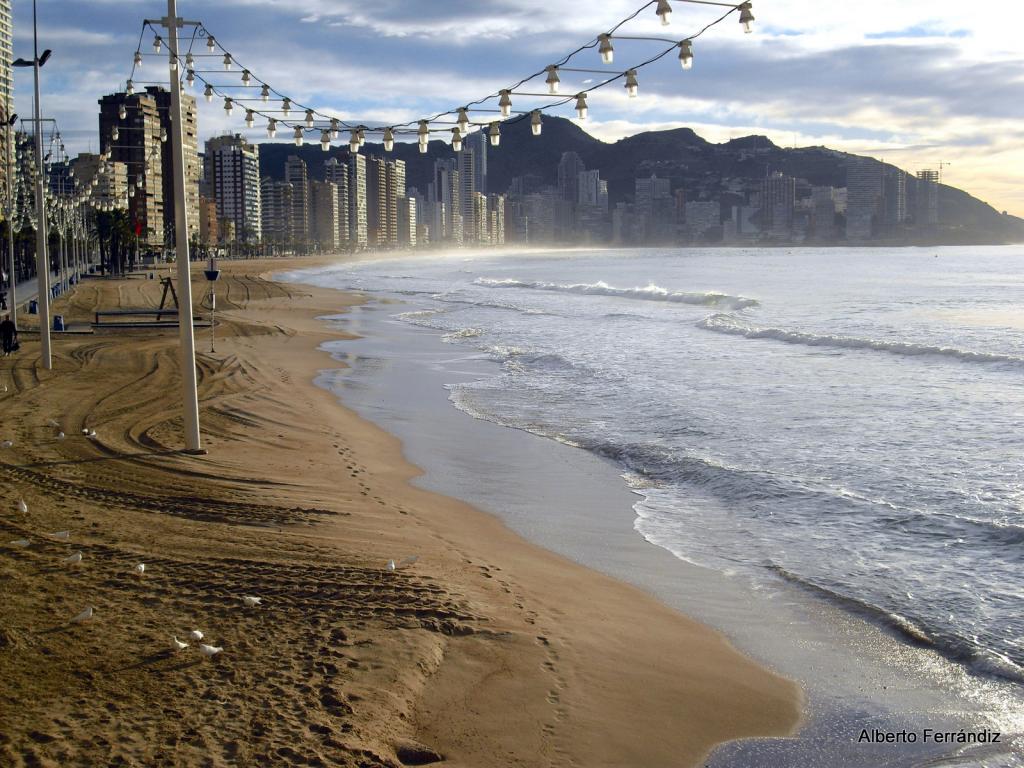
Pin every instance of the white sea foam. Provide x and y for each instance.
(651, 292)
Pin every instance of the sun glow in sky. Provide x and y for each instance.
(914, 82)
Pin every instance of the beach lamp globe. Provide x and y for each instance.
(212, 275)
(122, 112)
(495, 134)
(505, 103)
(535, 122)
(250, 118)
(456, 139)
(389, 139)
(208, 93)
(309, 118)
(297, 135)
(664, 12)
(423, 136)
(631, 83)
(335, 128)
(581, 106)
(552, 79)
(211, 44)
(246, 77)
(353, 141)
(686, 54)
(747, 18)
(605, 49)
(271, 128)
(463, 121)
(227, 61)
(325, 140)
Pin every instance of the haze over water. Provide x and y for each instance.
(847, 419)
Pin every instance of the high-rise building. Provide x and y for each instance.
(6, 90)
(357, 207)
(111, 177)
(467, 193)
(209, 232)
(477, 144)
(324, 215)
(407, 229)
(276, 213)
(703, 218)
(823, 204)
(446, 203)
(232, 167)
(376, 202)
(296, 174)
(190, 144)
(336, 172)
(863, 198)
(569, 169)
(894, 197)
(778, 202)
(654, 209)
(927, 198)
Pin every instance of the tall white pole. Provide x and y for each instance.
(9, 166)
(42, 257)
(193, 442)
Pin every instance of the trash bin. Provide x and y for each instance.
(58, 322)
(33, 307)
(151, 275)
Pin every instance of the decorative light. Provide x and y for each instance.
(163, 135)
(138, 59)
(325, 140)
(131, 191)
(227, 61)
(581, 106)
(353, 141)
(456, 139)
(423, 135)
(298, 135)
(211, 44)
(172, 62)
(286, 106)
(631, 83)
(495, 134)
(335, 128)
(505, 103)
(746, 17)
(139, 180)
(552, 79)
(246, 77)
(463, 120)
(122, 112)
(605, 49)
(309, 118)
(208, 93)
(362, 135)
(129, 88)
(272, 128)
(664, 11)
(190, 78)
(535, 123)
(686, 54)
(265, 93)
(389, 140)
(190, 60)
(250, 118)
(115, 134)
(229, 106)
(156, 44)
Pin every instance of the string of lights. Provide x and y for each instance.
(456, 121)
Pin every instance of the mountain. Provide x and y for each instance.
(704, 169)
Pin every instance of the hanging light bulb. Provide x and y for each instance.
(389, 140)
(265, 92)
(463, 120)
(122, 112)
(163, 135)
(250, 118)
(495, 134)
(309, 118)
(335, 128)
(190, 78)
(552, 79)
(631, 83)
(664, 11)
(505, 103)
(229, 106)
(353, 141)
(605, 49)
(138, 59)
(129, 88)
(423, 136)
(246, 77)
(581, 106)
(131, 191)
(456, 139)
(746, 17)
(211, 44)
(115, 134)
(325, 140)
(156, 44)
(208, 93)
(172, 62)
(535, 123)
(686, 54)
(272, 128)
(139, 180)
(297, 135)
(227, 61)
(190, 60)
(286, 106)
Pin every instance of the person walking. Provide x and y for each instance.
(8, 335)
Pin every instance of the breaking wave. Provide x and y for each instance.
(649, 293)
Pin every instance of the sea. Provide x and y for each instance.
(848, 422)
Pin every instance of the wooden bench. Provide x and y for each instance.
(155, 313)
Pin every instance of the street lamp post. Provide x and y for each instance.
(9, 169)
(42, 258)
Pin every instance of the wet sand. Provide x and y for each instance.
(486, 651)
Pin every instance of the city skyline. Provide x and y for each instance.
(933, 83)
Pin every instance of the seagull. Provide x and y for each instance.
(20, 543)
(411, 560)
(7, 444)
(391, 565)
(140, 569)
(73, 559)
(196, 635)
(53, 423)
(22, 507)
(85, 430)
(60, 435)
(178, 645)
(62, 535)
(85, 615)
(91, 434)
(252, 602)
(209, 650)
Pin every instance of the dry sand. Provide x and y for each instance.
(488, 651)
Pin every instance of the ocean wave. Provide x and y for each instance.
(649, 293)
(464, 333)
(733, 326)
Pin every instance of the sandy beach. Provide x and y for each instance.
(487, 650)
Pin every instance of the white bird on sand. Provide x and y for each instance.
(85, 430)
(140, 569)
(60, 435)
(391, 565)
(252, 602)
(85, 615)
(62, 535)
(196, 635)
(73, 559)
(91, 434)
(20, 543)
(209, 650)
(178, 645)
(22, 507)
(7, 444)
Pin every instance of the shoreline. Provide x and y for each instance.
(487, 648)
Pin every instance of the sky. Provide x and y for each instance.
(913, 82)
